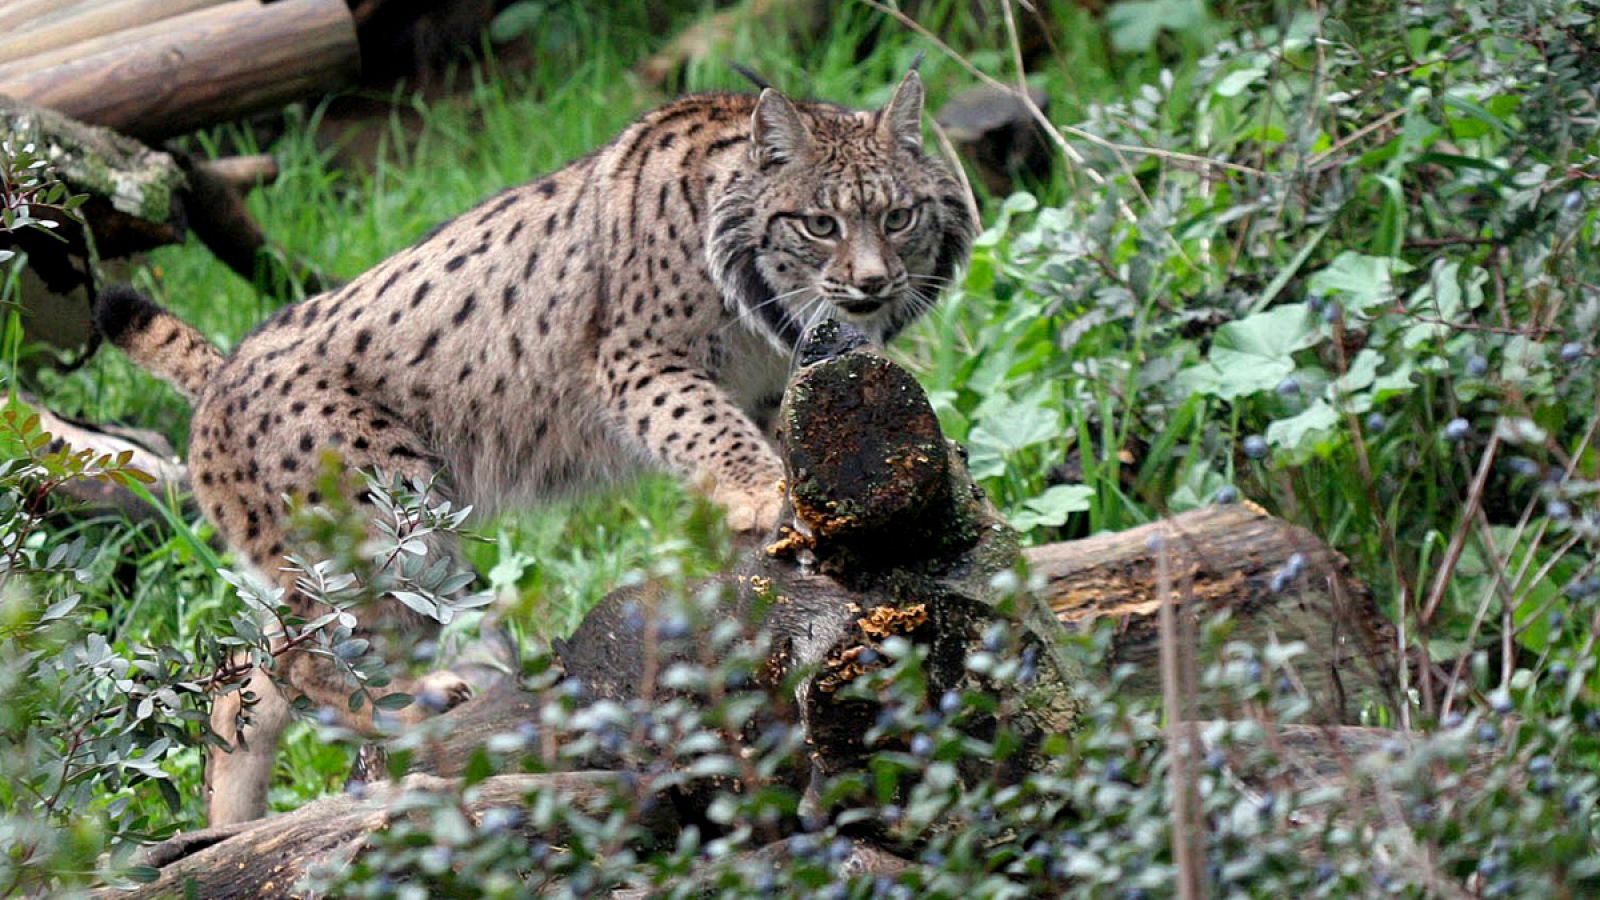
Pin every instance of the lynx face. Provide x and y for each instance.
(840, 215)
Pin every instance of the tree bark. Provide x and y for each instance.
(208, 66)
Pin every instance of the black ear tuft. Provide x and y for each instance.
(120, 309)
(751, 75)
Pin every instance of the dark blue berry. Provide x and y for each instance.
(1255, 446)
(1376, 422)
(1571, 352)
(1227, 494)
(1457, 429)
(1477, 366)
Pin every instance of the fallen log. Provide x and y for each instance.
(1276, 580)
(270, 857)
(208, 66)
(75, 23)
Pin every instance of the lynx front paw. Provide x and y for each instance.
(437, 692)
(747, 511)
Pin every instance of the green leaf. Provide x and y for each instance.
(1255, 353)
(1300, 433)
(1235, 82)
(60, 608)
(1281, 279)
(1136, 24)
(1358, 281)
(397, 700)
(1052, 507)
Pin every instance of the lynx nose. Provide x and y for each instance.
(875, 286)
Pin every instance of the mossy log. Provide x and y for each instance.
(138, 199)
(884, 536)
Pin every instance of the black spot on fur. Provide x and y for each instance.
(426, 350)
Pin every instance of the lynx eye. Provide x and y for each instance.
(898, 219)
(820, 226)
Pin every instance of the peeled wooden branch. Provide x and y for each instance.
(208, 66)
(150, 454)
(74, 23)
(269, 857)
(242, 173)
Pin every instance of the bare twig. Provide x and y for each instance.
(1181, 743)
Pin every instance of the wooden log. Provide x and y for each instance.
(17, 15)
(139, 199)
(79, 22)
(136, 33)
(209, 66)
(269, 857)
(1233, 558)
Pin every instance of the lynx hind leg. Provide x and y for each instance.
(241, 475)
(237, 778)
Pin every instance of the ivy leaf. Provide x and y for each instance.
(1005, 426)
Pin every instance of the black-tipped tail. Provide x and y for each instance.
(120, 310)
(156, 340)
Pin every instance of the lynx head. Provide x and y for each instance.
(839, 214)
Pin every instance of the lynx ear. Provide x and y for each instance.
(777, 133)
(901, 120)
